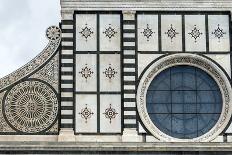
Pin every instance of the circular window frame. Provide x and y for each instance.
(191, 60)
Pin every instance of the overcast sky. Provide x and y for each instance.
(22, 30)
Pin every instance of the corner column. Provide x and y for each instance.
(130, 133)
(66, 80)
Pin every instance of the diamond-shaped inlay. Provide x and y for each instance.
(86, 72)
(195, 33)
(110, 32)
(171, 32)
(110, 113)
(86, 32)
(218, 33)
(147, 32)
(86, 113)
(110, 72)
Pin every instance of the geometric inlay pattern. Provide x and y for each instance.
(147, 32)
(171, 33)
(109, 72)
(218, 33)
(86, 72)
(53, 33)
(31, 106)
(195, 33)
(86, 113)
(110, 113)
(110, 32)
(86, 32)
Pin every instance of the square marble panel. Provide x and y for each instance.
(219, 33)
(147, 32)
(110, 113)
(110, 32)
(86, 114)
(110, 72)
(195, 37)
(171, 32)
(86, 32)
(86, 72)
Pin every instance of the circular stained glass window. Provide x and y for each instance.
(184, 102)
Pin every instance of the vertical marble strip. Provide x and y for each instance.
(66, 64)
(129, 69)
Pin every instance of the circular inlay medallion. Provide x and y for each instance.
(31, 106)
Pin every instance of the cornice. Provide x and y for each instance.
(70, 5)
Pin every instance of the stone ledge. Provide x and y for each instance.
(185, 5)
(112, 147)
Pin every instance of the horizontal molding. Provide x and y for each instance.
(66, 112)
(66, 77)
(66, 103)
(66, 121)
(130, 121)
(129, 113)
(129, 52)
(67, 5)
(67, 35)
(129, 104)
(66, 69)
(129, 35)
(67, 52)
(66, 27)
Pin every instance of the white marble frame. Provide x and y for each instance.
(191, 60)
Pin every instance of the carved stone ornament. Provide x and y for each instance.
(192, 60)
(53, 33)
(31, 106)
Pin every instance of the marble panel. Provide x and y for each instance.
(195, 37)
(147, 32)
(171, 32)
(110, 32)
(86, 32)
(219, 38)
(110, 113)
(110, 72)
(86, 72)
(86, 114)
